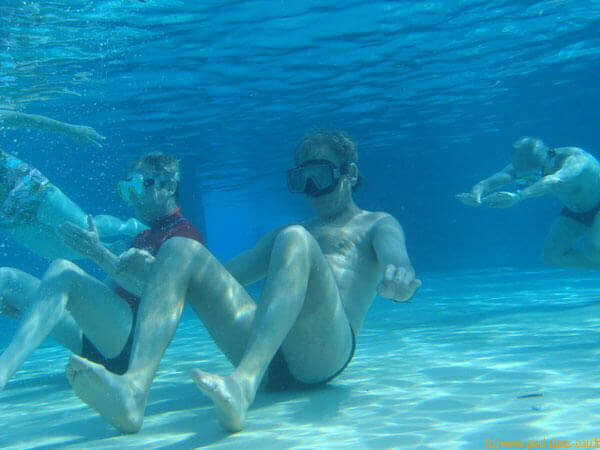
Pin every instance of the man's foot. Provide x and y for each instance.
(113, 396)
(227, 394)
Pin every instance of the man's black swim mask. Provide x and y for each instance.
(314, 177)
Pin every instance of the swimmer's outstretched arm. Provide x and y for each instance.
(496, 181)
(571, 168)
(79, 133)
(398, 275)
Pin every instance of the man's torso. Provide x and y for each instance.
(152, 239)
(581, 193)
(347, 248)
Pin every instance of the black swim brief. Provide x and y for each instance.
(281, 379)
(586, 218)
(120, 363)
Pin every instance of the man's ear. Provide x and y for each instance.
(353, 173)
(171, 186)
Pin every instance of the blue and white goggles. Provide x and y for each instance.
(134, 186)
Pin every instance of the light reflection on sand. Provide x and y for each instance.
(444, 371)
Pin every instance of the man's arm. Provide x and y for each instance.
(490, 184)
(129, 270)
(79, 133)
(571, 168)
(398, 282)
(253, 264)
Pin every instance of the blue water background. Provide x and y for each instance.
(434, 93)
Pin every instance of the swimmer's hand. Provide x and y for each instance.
(85, 242)
(135, 264)
(85, 135)
(133, 260)
(398, 284)
(469, 199)
(501, 199)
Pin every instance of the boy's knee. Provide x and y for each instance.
(61, 269)
(5, 276)
(8, 278)
(294, 234)
(181, 246)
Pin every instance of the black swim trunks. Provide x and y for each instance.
(586, 218)
(120, 363)
(171, 225)
(281, 379)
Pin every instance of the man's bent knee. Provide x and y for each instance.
(7, 277)
(62, 270)
(295, 234)
(181, 246)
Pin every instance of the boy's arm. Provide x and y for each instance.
(253, 264)
(129, 270)
(79, 133)
(398, 281)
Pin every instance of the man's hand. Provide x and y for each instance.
(135, 261)
(501, 199)
(85, 242)
(469, 198)
(85, 135)
(398, 284)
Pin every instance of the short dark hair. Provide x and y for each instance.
(159, 165)
(336, 140)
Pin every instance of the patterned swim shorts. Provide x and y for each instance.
(22, 189)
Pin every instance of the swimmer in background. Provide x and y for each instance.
(570, 174)
(31, 208)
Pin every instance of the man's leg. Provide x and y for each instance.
(18, 290)
(182, 267)
(300, 311)
(102, 315)
(56, 208)
(559, 247)
(300, 292)
(592, 245)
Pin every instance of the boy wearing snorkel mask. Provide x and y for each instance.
(570, 174)
(321, 276)
(97, 319)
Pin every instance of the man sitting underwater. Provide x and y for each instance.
(92, 318)
(321, 277)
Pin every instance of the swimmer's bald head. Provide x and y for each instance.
(529, 153)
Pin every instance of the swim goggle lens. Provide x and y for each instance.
(133, 187)
(314, 177)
